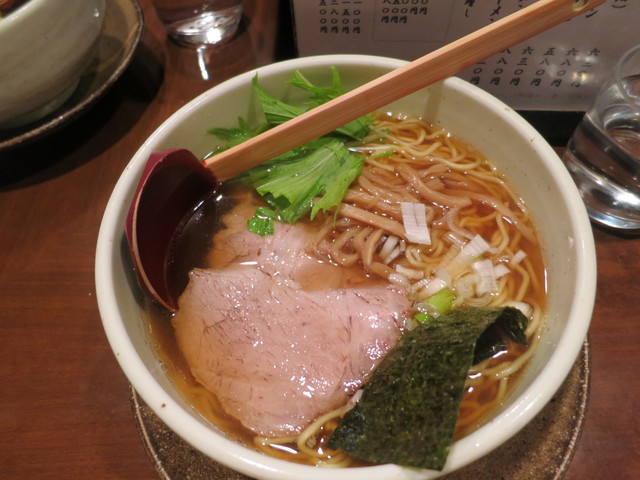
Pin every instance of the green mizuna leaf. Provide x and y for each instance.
(310, 178)
(291, 184)
(235, 136)
(408, 410)
(275, 111)
(320, 95)
(356, 129)
(338, 182)
(262, 221)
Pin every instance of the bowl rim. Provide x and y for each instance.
(241, 458)
(21, 9)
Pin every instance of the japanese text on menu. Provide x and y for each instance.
(562, 66)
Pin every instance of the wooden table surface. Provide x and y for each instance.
(64, 402)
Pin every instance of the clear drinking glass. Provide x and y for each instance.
(200, 24)
(603, 155)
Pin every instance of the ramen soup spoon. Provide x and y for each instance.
(173, 182)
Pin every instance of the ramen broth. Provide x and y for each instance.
(488, 384)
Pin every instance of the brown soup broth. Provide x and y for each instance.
(483, 396)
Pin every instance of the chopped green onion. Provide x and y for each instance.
(442, 301)
(435, 306)
(471, 251)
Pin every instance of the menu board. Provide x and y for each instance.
(560, 69)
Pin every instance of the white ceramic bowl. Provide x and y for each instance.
(44, 49)
(533, 169)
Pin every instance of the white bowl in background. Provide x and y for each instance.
(45, 46)
(533, 170)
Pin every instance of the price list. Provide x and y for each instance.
(560, 69)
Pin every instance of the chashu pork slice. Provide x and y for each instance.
(278, 356)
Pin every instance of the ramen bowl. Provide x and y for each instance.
(45, 46)
(533, 170)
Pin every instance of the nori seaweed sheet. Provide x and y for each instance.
(409, 407)
(511, 324)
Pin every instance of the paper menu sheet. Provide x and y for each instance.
(560, 69)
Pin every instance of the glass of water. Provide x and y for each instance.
(197, 23)
(603, 155)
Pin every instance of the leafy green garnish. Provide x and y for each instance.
(291, 185)
(320, 95)
(408, 410)
(275, 111)
(357, 129)
(262, 221)
(235, 136)
(309, 178)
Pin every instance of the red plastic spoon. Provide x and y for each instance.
(173, 182)
(170, 188)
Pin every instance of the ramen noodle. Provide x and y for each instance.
(465, 202)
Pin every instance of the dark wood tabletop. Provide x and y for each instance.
(64, 402)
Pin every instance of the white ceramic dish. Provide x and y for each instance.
(114, 52)
(533, 169)
(44, 49)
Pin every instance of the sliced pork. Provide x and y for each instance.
(277, 356)
(274, 333)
